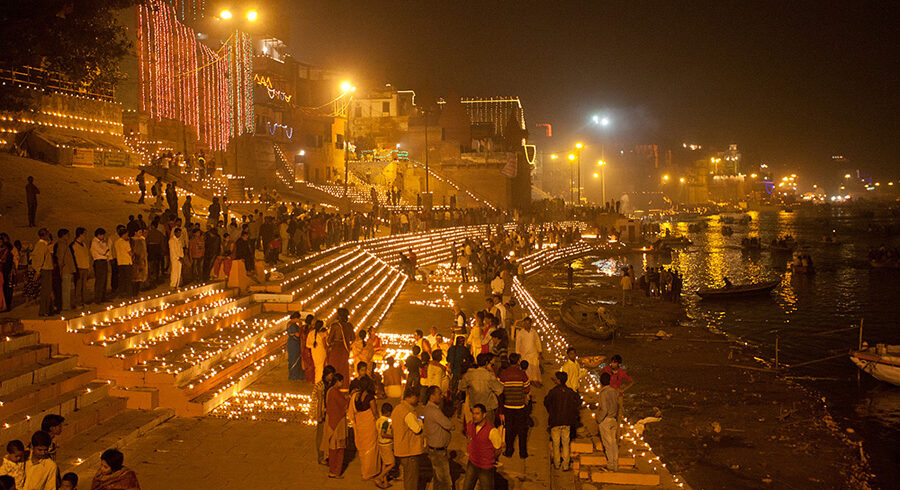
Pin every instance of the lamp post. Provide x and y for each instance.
(578, 147)
(602, 165)
(347, 88)
(572, 178)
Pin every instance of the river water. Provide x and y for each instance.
(844, 290)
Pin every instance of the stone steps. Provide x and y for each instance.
(34, 373)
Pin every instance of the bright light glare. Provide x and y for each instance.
(601, 163)
(302, 153)
(252, 15)
(604, 121)
(579, 146)
(554, 156)
(681, 180)
(596, 175)
(571, 156)
(346, 87)
(846, 176)
(665, 177)
(225, 14)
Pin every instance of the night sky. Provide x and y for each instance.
(791, 82)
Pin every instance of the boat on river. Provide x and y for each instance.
(584, 319)
(673, 242)
(881, 361)
(739, 290)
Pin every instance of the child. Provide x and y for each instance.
(385, 445)
(69, 481)
(8, 483)
(40, 471)
(13, 463)
(52, 424)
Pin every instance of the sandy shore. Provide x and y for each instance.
(722, 426)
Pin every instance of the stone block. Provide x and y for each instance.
(584, 475)
(139, 398)
(582, 447)
(598, 460)
(622, 478)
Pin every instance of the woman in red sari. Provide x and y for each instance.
(309, 366)
(339, 339)
(334, 438)
(112, 475)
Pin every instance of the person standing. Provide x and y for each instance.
(606, 416)
(197, 250)
(528, 346)
(66, 263)
(42, 262)
(365, 434)
(563, 407)
(481, 386)
(393, 379)
(31, 192)
(334, 438)
(339, 338)
(212, 248)
(124, 264)
(409, 440)
(188, 211)
(176, 256)
(41, 472)
(437, 438)
(514, 413)
(317, 409)
(627, 287)
(306, 360)
(619, 380)
(316, 342)
(295, 369)
(214, 209)
(483, 448)
(573, 370)
(142, 185)
(101, 254)
(139, 271)
(82, 254)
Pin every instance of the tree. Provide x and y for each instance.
(81, 40)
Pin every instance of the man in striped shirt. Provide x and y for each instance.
(515, 406)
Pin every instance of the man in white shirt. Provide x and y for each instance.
(41, 472)
(176, 254)
(498, 285)
(124, 263)
(528, 345)
(101, 256)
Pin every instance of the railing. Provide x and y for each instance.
(39, 78)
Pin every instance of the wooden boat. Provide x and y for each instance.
(584, 319)
(881, 361)
(736, 291)
(673, 242)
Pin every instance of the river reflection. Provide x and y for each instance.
(843, 290)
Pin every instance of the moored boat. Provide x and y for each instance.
(753, 289)
(584, 319)
(881, 361)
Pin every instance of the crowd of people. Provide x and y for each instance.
(33, 466)
(481, 376)
(660, 282)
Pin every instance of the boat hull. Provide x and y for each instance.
(739, 291)
(585, 321)
(882, 367)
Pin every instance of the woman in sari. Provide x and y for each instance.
(112, 475)
(339, 339)
(334, 437)
(315, 342)
(362, 412)
(309, 366)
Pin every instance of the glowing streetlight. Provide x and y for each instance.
(846, 176)
(666, 177)
(225, 14)
(571, 157)
(301, 152)
(681, 180)
(596, 175)
(252, 15)
(579, 146)
(347, 87)
(753, 176)
(601, 163)
(554, 156)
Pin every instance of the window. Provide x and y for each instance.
(386, 108)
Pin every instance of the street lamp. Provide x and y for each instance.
(252, 15)
(347, 88)
(578, 147)
(225, 14)
(602, 164)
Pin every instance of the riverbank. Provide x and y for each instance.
(722, 426)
